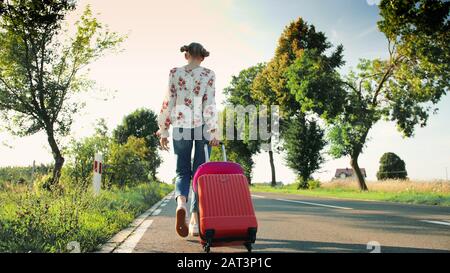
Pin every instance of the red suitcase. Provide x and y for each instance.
(226, 212)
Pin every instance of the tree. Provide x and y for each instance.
(391, 167)
(239, 94)
(142, 123)
(239, 151)
(40, 74)
(239, 91)
(127, 163)
(303, 142)
(271, 85)
(402, 88)
(314, 81)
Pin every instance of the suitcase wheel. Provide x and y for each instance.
(207, 248)
(249, 247)
(209, 234)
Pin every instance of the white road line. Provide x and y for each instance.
(313, 204)
(436, 222)
(131, 242)
(258, 196)
(119, 241)
(156, 212)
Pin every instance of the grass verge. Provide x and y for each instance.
(48, 222)
(424, 193)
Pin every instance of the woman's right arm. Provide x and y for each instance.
(164, 117)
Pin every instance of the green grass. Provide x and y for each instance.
(410, 196)
(48, 222)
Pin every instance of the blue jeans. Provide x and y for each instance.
(183, 141)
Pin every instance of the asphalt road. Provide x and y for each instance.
(292, 223)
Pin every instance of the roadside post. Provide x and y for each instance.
(97, 177)
(32, 172)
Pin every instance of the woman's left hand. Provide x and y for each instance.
(164, 143)
(214, 142)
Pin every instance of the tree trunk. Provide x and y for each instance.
(57, 156)
(153, 174)
(357, 170)
(299, 186)
(272, 168)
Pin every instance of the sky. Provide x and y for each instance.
(239, 34)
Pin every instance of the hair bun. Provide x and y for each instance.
(205, 53)
(195, 50)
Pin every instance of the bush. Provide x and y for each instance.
(391, 167)
(48, 222)
(309, 184)
(142, 123)
(313, 184)
(42, 183)
(124, 164)
(301, 183)
(80, 158)
(127, 164)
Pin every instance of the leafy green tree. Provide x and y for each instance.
(416, 75)
(80, 157)
(316, 84)
(391, 167)
(404, 88)
(40, 74)
(314, 81)
(127, 163)
(142, 123)
(271, 85)
(238, 94)
(239, 151)
(303, 143)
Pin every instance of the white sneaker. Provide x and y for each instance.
(181, 225)
(193, 230)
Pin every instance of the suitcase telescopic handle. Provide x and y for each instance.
(224, 152)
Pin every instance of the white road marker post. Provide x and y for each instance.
(32, 172)
(97, 177)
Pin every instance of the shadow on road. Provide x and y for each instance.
(385, 218)
(271, 246)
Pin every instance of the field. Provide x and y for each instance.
(413, 192)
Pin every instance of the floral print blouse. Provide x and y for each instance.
(189, 100)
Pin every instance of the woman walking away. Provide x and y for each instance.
(189, 106)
